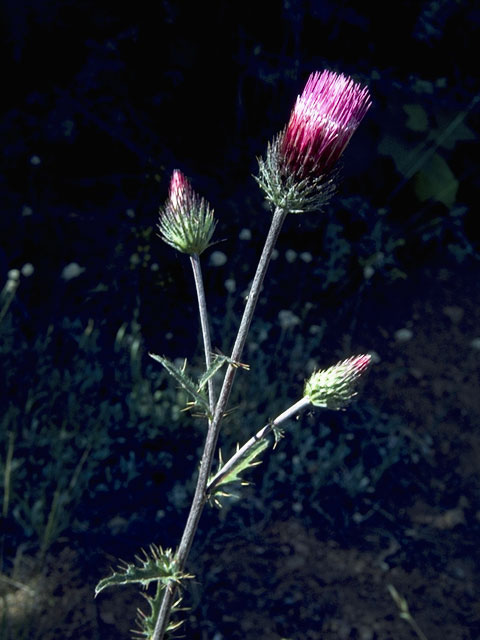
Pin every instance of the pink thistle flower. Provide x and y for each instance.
(297, 173)
(186, 220)
(336, 386)
(322, 122)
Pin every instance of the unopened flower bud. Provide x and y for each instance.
(299, 169)
(334, 387)
(186, 221)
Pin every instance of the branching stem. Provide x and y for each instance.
(200, 495)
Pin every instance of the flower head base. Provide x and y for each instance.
(186, 221)
(299, 170)
(334, 388)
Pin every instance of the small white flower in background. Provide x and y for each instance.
(230, 285)
(368, 271)
(130, 213)
(71, 271)
(217, 259)
(27, 270)
(297, 507)
(290, 256)
(14, 274)
(245, 234)
(274, 254)
(306, 256)
(475, 344)
(27, 211)
(403, 335)
(13, 281)
(35, 161)
(287, 319)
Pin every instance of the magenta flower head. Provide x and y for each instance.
(186, 221)
(298, 173)
(334, 388)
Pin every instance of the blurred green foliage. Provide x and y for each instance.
(87, 422)
(72, 433)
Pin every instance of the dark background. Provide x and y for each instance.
(109, 100)
(100, 103)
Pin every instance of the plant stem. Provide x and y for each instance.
(202, 308)
(230, 465)
(415, 627)
(200, 495)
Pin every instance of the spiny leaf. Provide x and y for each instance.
(158, 566)
(232, 475)
(217, 363)
(278, 434)
(247, 461)
(234, 363)
(146, 622)
(187, 383)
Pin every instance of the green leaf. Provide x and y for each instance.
(249, 460)
(158, 566)
(199, 398)
(436, 181)
(242, 464)
(216, 365)
(146, 622)
(417, 117)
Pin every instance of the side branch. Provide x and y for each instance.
(239, 455)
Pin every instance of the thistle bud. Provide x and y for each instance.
(186, 221)
(334, 388)
(299, 170)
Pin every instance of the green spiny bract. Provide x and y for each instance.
(186, 221)
(334, 387)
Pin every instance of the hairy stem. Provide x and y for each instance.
(200, 495)
(202, 308)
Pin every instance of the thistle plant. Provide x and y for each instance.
(300, 168)
(297, 175)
